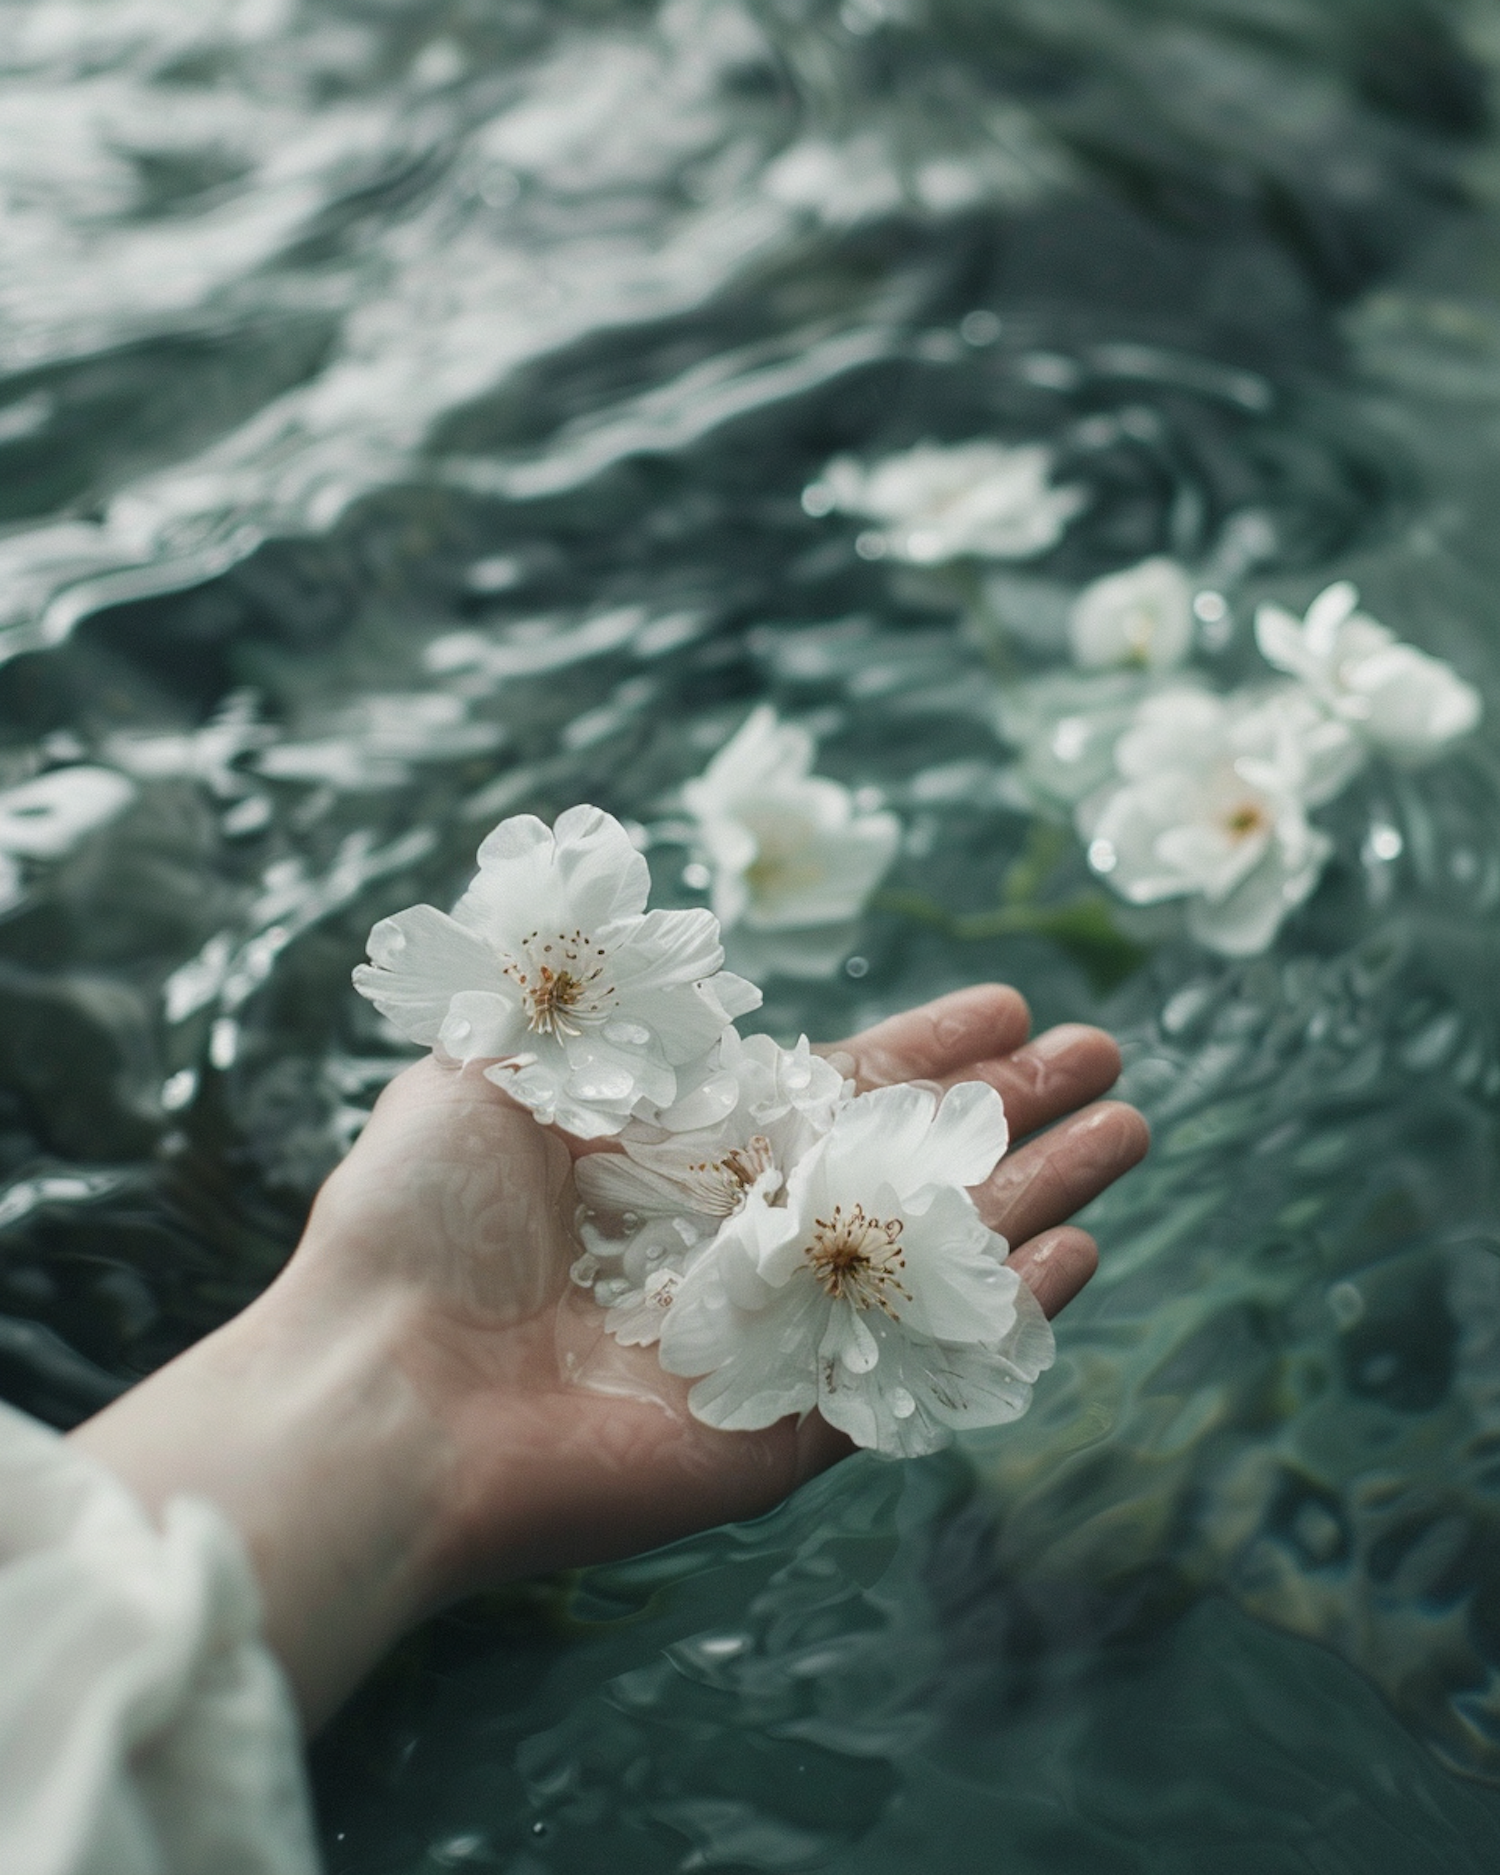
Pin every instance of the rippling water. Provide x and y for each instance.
(404, 410)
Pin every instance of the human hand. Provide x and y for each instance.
(569, 1448)
(422, 1404)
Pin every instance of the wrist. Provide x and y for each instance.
(298, 1420)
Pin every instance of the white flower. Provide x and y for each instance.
(552, 969)
(47, 817)
(1065, 726)
(936, 502)
(1142, 616)
(1395, 698)
(789, 850)
(1210, 806)
(753, 1113)
(874, 1293)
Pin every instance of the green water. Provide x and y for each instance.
(404, 411)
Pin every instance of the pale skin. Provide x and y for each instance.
(394, 1423)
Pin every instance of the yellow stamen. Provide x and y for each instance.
(857, 1257)
(560, 981)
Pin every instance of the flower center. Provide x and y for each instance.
(1242, 821)
(1140, 629)
(785, 861)
(857, 1257)
(560, 978)
(724, 1183)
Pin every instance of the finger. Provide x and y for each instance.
(1045, 1181)
(925, 1044)
(1056, 1265)
(1063, 1068)
(819, 1445)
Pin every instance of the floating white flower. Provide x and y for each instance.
(552, 969)
(1395, 698)
(941, 502)
(47, 817)
(1210, 806)
(789, 851)
(755, 1110)
(874, 1292)
(1065, 726)
(1142, 616)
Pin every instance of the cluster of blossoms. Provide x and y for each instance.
(777, 1237)
(1184, 794)
(1180, 793)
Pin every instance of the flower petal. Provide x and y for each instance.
(419, 960)
(877, 1140)
(968, 1136)
(960, 1290)
(486, 1025)
(759, 1365)
(584, 873)
(665, 950)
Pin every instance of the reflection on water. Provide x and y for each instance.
(405, 413)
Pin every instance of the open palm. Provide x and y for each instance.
(569, 1448)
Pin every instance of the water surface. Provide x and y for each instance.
(404, 413)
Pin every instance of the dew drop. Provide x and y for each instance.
(1345, 1304)
(902, 1404)
(602, 1083)
(1102, 856)
(979, 328)
(627, 1034)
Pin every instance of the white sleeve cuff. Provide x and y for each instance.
(144, 1727)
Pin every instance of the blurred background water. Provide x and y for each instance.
(404, 411)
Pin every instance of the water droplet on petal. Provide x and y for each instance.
(627, 1034)
(602, 1083)
(902, 1403)
(584, 1270)
(1102, 856)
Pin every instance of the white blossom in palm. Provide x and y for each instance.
(1209, 805)
(752, 1112)
(873, 1291)
(789, 851)
(1142, 616)
(939, 502)
(551, 969)
(1394, 698)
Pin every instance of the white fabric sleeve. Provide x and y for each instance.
(144, 1727)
